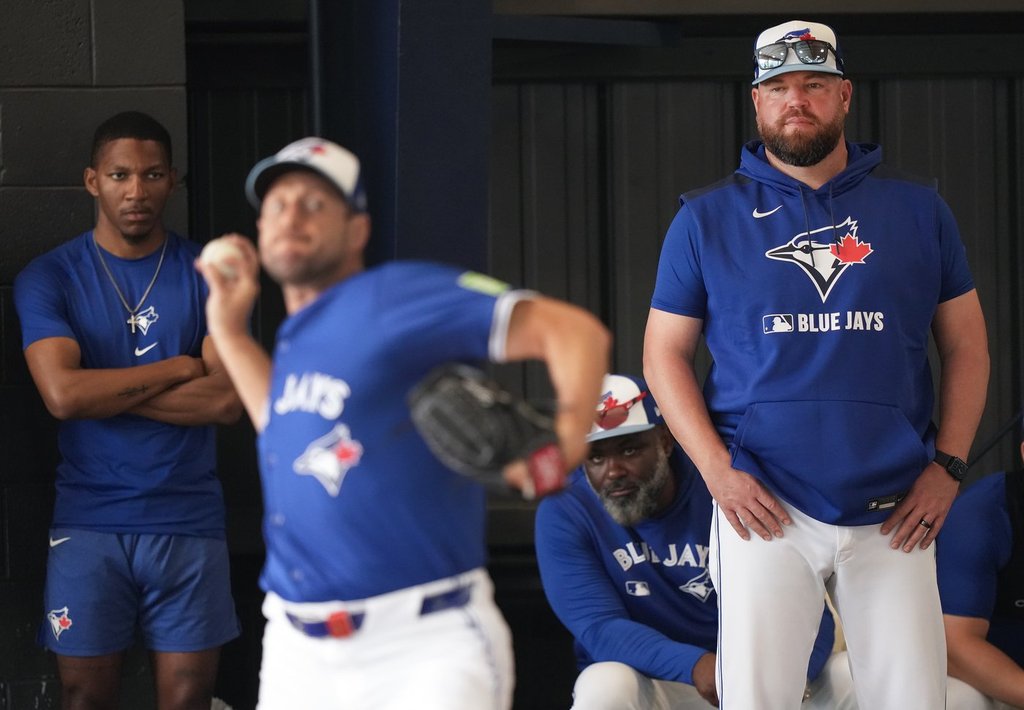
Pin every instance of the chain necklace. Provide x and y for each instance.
(133, 319)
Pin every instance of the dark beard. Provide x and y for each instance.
(643, 503)
(799, 151)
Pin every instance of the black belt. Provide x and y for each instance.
(342, 623)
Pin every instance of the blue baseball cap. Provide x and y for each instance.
(626, 407)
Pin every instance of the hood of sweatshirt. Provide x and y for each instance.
(862, 159)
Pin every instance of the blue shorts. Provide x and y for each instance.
(102, 587)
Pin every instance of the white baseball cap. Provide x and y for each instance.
(626, 407)
(328, 160)
(789, 33)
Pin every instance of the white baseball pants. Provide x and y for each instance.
(770, 597)
(455, 659)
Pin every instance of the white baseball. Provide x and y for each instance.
(216, 254)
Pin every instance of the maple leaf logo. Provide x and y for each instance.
(850, 250)
(348, 453)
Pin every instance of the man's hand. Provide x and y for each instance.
(704, 678)
(191, 367)
(747, 504)
(920, 515)
(233, 290)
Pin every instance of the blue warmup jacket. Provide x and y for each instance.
(638, 595)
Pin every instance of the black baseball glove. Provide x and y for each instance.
(476, 427)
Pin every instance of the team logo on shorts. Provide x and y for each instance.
(59, 621)
(700, 586)
(824, 255)
(330, 457)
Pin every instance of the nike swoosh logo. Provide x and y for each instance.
(54, 543)
(139, 352)
(758, 215)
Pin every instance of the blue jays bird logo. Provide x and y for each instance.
(144, 319)
(59, 621)
(700, 586)
(824, 261)
(330, 457)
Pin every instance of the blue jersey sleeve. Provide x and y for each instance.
(442, 312)
(40, 303)
(679, 287)
(972, 547)
(956, 274)
(585, 600)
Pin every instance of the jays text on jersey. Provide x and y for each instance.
(356, 505)
(821, 305)
(126, 473)
(639, 595)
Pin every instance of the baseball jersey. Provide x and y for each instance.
(355, 503)
(639, 595)
(817, 308)
(973, 551)
(125, 473)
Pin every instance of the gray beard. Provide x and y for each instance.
(643, 503)
(802, 152)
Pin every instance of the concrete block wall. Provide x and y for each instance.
(65, 66)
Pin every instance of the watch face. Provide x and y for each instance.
(957, 468)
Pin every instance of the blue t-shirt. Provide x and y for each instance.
(817, 307)
(638, 595)
(355, 503)
(125, 473)
(974, 545)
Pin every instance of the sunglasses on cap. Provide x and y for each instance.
(609, 417)
(808, 51)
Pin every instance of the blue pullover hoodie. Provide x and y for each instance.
(817, 307)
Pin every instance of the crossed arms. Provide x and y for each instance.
(180, 390)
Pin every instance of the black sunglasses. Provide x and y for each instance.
(808, 51)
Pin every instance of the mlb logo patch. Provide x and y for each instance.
(777, 323)
(638, 589)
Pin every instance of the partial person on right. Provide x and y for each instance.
(980, 558)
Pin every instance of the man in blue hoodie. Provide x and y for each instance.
(816, 276)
